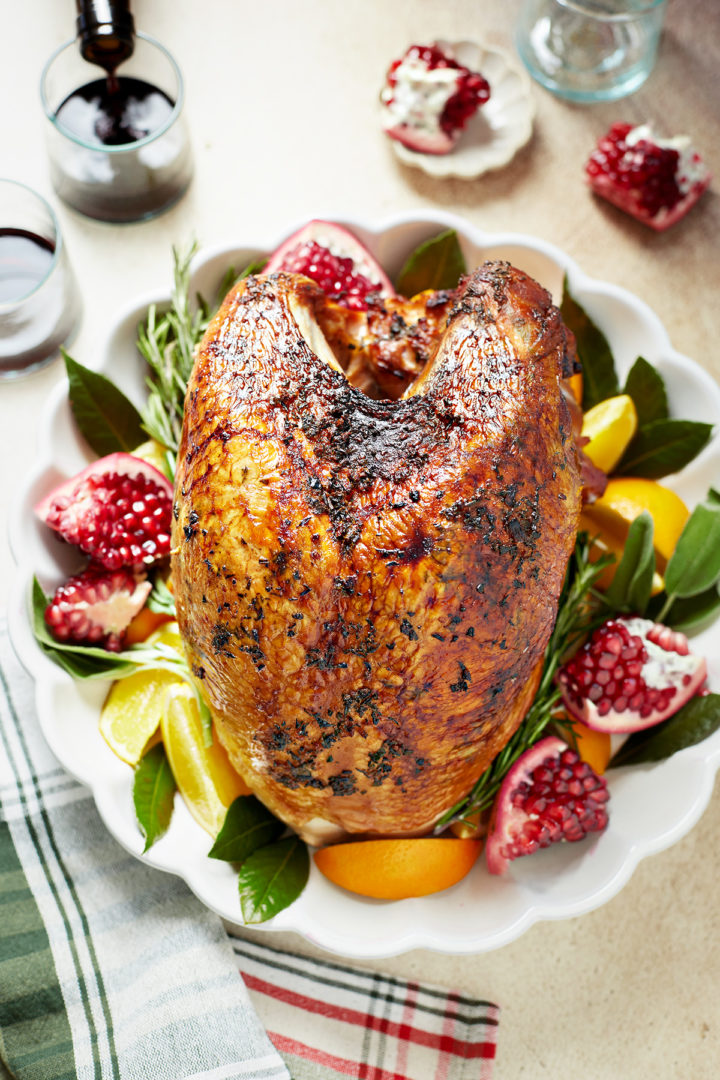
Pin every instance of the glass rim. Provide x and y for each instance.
(620, 16)
(125, 147)
(9, 305)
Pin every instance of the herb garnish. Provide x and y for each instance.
(577, 616)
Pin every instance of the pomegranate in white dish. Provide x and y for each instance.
(429, 98)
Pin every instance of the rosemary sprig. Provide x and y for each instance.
(579, 613)
(167, 341)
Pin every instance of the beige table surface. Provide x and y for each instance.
(281, 102)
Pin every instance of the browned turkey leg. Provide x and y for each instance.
(366, 587)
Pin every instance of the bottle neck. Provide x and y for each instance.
(106, 32)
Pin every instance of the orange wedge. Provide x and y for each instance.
(398, 869)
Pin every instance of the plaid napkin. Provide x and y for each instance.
(110, 970)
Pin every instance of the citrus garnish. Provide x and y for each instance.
(397, 869)
(609, 426)
(625, 498)
(153, 452)
(604, 542)
(133, 708)
(592, 746)
(204, 775)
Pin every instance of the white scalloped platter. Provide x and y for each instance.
(497, 130)
(651, 806)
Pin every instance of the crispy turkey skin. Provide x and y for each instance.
(366, 587)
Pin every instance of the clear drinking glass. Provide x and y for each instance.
(39, 299)
(590, 50)
(126, 182)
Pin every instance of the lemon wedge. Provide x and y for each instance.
(609, 426)
(131, 714)
(203, 774)
(153, 452)
(626, 497)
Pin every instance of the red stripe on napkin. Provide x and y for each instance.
(365, 1025)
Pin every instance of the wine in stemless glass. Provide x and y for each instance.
(39, 300)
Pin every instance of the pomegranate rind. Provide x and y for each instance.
(504, 812)
(338, 241)
(422, 142)
(629, 201)
(75, 514)
(119, 462)
(626, 721)
(96, 607)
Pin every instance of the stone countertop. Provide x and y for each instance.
(281, 101)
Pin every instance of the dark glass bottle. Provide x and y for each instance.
(106, 32)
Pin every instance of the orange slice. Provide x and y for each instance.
(397, 869)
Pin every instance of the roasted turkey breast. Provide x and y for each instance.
(366, 587)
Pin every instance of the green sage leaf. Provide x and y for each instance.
(694, 722)
(646, 386)
(231, 277)
(248, 826)
(437, 263)
(272, 878)
(663, 447)
(161, 600)
(153, 792)
(695, 563)
(594, 353)
(632, 583)
(692, 611)
(108, 421)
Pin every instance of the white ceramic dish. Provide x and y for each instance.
(651, 807)
(499, 128)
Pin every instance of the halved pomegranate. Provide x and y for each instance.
(118, 511)
(548, 796)
(96, 606)
(340, 264)
(631, 674)
(656, 180)
(429, 98)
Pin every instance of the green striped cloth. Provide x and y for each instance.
(109, 970)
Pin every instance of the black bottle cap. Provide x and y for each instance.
(106, 30)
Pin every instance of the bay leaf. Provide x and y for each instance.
(153, 793)
(594, 353)
(646, 386)
(248, 826)
(690, 725)
(107, 420)
(272, 878)
(663, 447)
(437, 263)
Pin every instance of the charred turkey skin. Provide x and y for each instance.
(366, 587)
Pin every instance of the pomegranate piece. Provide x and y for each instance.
(429, 98)
(336, 261)
(548, 796)
(96, 606)
(631, 674)
(118, 511)
(656, 180)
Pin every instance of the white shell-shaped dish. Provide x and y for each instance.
(497, 130)
(651, 807)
